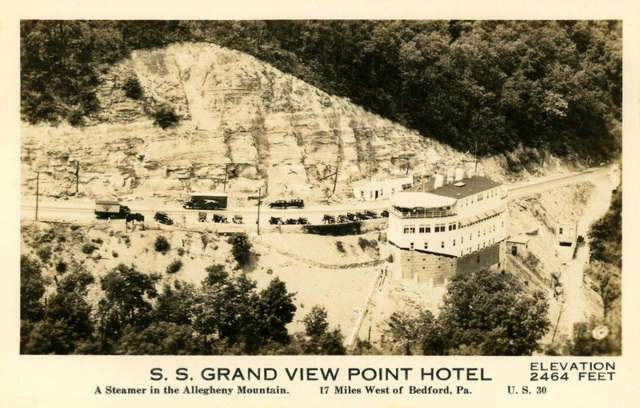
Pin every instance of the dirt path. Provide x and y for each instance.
(576, 307)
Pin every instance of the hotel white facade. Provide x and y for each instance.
(459, 226)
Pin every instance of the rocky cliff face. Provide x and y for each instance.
(243, 125)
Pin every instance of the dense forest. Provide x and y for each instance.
(479, 86)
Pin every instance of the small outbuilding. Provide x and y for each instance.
(518, 245)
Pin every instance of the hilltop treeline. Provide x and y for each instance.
(485, 86)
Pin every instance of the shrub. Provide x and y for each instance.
(115, 254)
(132, 88)
(44, 253)
(340, 246)
(61, 267)
(165, 117)
(98, 241)
(174, 266)
(162, 245)
(76, 117)
(390, 258)
(88, 248)
(365, 243)
(180, 251)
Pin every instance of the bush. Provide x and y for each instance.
(340, 246)
(365, 243)
(44, 253)
(162, 245)
(241, 248)
(61, 267)
(132, 88)
(390, 258)
(88, 248)
(165, 117)
(175, 266)
(180, 251)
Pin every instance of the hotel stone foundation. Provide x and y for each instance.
(437, 270)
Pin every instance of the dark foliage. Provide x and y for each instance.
(132, 88)
(606, 234)
(32, 288)
(162, 244)
(490, 85)
(165, 117)
(174, 266)
(484, 313)
(241, 248)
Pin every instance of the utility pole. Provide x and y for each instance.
(77, 176)
(37, 192)
(259, 202)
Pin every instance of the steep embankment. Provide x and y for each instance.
(243, 124)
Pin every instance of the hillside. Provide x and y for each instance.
(238, 116)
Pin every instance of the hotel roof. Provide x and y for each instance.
(463, 188)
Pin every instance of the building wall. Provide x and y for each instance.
(384, 188)
(437, 270)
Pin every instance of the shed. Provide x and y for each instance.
(519, 245)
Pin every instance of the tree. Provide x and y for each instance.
(492, 311)
(241, 248)
(176, 305)
(32, 288)
(320, 340)
(160, 338)
(275, 311)
(126, 300)
(483, 313)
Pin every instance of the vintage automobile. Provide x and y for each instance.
(163, 218)
(291, 221)
(384, 214)
(237, 219)
(275, 221)
(278, 204)
(303, 221)
(328, 219)
(371, 214)
(202, 217)
(342, 218)
(296, 203)
(219, 219)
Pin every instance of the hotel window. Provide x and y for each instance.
(425, 229)
(479, 197)
(442, 244)
(409, 229)
(411, 246)
(452, 226)
(454, 242)
(462, 240)
(440, 228)
(478, 233)
(426, 245)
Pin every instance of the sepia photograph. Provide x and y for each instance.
(309, 204)
(321, 187)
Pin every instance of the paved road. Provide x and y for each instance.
(83, 212)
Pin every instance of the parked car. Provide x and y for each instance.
(202, 216)
(352, 217)
(275, 221)
(278, 204)
(342, 218)
(384, 214)
(328, 219)
(219, 219)
(163, 218)
(303, 221)
(296, 203)
(237, 219)
(362, 216)
(291, 221)
(371, 214)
